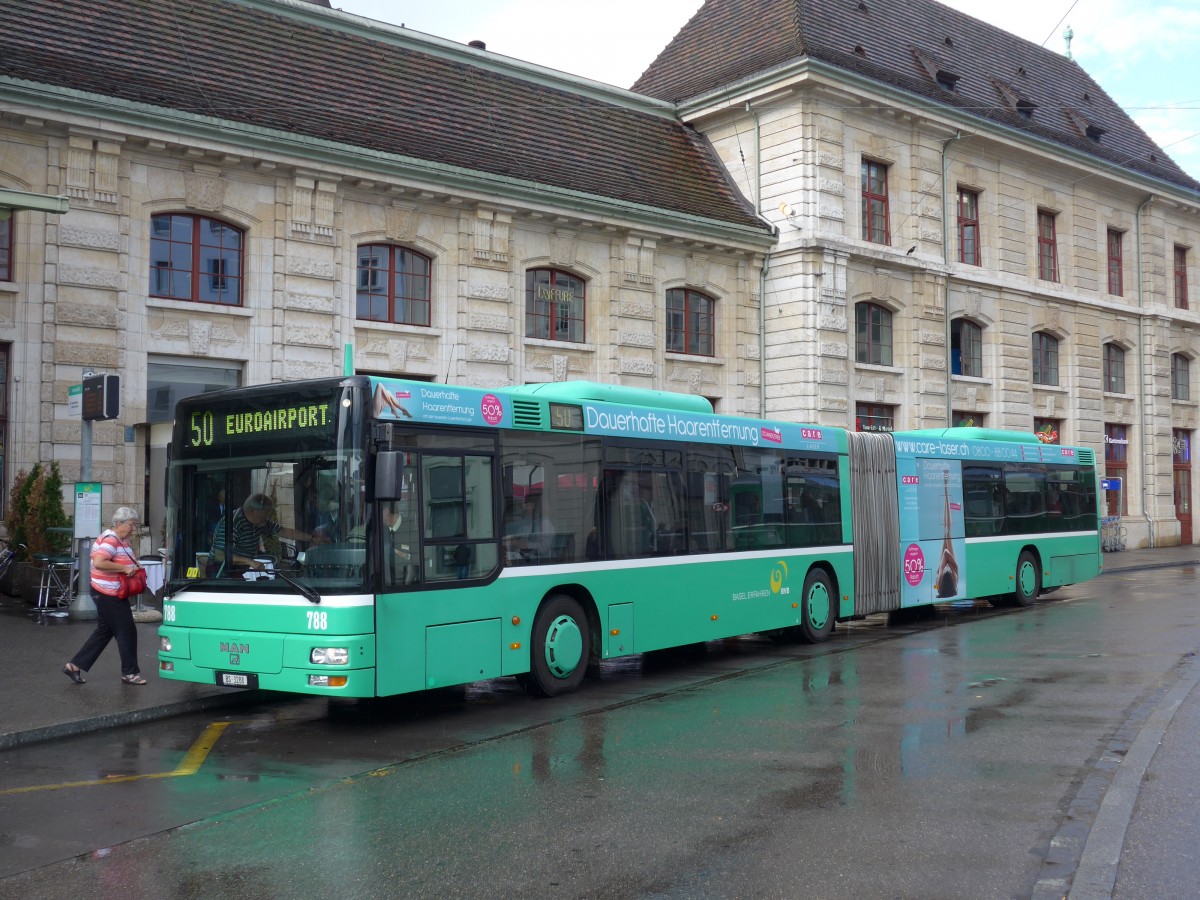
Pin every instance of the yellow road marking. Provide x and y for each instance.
(189, 765)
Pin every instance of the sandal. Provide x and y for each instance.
(74, 673)
(133, 679)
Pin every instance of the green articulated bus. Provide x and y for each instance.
(364, 536)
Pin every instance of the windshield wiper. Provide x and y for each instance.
(310, 594)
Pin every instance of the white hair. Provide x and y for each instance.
(125, 514)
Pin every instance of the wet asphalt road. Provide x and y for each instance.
(950, 758)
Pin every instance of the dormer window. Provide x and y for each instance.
(1095, 132)
(946, 80)
(1025, 108)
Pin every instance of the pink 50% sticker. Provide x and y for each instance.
(492, 408)
(914, 564)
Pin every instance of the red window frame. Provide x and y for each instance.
(555, 305)
(690, 322)
(1047, 246)
(875, 203)
(185, 257)
(1115, 262)
(1181, 279)
(968, 227)
(394, 284)
(7, 228)
(1116, 464)
(874, 417)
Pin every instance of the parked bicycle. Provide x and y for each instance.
(7, 555)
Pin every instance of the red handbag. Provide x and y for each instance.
(132, 585)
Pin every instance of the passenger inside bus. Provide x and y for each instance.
(529, 535)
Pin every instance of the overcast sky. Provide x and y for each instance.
(1145, 54)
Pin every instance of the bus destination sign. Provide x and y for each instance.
(208, 428)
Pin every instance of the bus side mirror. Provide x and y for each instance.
(389, 474)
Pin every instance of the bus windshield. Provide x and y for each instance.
(262, 489)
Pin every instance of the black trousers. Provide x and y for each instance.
(116, 620)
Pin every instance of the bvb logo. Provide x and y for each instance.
(778, 574)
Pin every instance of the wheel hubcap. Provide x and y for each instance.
(1027, 578)
(564, 646)
(818, 606)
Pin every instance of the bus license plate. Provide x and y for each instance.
(237, 679)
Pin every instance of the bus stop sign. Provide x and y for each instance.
(101, 397)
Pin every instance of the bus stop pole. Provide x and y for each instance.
(83, 606)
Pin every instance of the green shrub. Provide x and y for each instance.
(35, 504)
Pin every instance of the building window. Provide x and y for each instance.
(1114, 369)
(1047, 247)
(1114, 262)
(554, 305)
(1180, 377)
(874, 417)
(1047, 430)
(1181, 279)
(966, 348)
(968, 227)
(962, 419)
(6, 248)
(1045, 359)
(171, 379)
(1116, 465)
(872, 334)
(195, 258)
(689, 322)
(874, 203)
(394, 285)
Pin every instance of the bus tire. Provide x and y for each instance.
(1028, 579)
(559, 647)
(818, 607)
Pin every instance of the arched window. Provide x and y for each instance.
(1114, 369)
(872, 334)
(1045, 358)
(690, 322)
(1180, 377)
(966, 348)
(554, 305)
(394, 285)
(195, 258)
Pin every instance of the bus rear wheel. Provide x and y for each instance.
(559, 647)
(1028, 579)
(818, 607)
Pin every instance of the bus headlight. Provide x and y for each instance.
(164, 643)
(329, 656)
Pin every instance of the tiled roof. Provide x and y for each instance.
(304, 72)
(905, 44)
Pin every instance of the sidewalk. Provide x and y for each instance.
(40, 703)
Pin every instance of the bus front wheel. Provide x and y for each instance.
(818, 607)
(1028, 579)
(559, 647)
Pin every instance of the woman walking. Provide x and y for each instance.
(112, 556)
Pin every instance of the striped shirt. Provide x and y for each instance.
(110, 547)
(247, 537)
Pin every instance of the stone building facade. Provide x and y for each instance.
(731, 177)
(980, 140)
